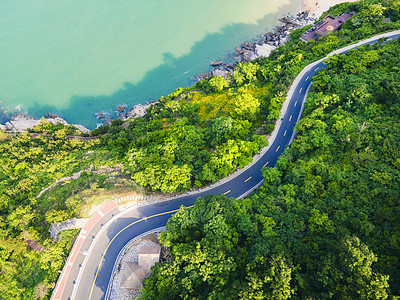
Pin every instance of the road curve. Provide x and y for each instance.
(94, 275)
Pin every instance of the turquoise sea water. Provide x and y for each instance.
(75, 58)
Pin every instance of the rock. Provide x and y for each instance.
(261, 42)
(121, 108)
(131, 113)
(203, 76)
(82, 128)
(3, 128)
(268, 36)
(21, 123)
(51, 116)
(57, 120)
(8, 126)
(263, 51)
(100, 115)
(229, 68)
(216, 63)
(123, 117)
(139, 110)
(247, 56)
(247, 46)
(222, 73)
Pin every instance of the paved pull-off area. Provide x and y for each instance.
(88, 270)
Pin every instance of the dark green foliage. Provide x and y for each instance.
(325, 224)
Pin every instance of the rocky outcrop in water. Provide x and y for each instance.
(22, 122)
(134, 112)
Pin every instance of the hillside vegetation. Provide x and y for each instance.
(198, 135)
(326, 222)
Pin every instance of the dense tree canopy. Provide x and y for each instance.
(325, 224)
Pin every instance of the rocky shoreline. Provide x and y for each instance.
(246, 52)
(22, 122)
(138, 110)
(262, 47)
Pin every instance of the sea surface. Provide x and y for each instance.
(75, 58)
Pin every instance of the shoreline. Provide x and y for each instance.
(261, 46)
(310, 11)
(318, 7)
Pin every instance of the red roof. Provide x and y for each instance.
(35, 246)
(327, 25)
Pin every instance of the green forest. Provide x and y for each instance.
(326, 222)
(323, 225)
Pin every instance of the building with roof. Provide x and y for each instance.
(34, 245)
(132, 276)
(326, 26)
(148, 256)
(135, 272)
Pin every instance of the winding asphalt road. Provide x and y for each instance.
(95, 273)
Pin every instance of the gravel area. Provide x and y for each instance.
(130, 254)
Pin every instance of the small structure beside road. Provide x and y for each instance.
(135, 272)
(326, 26)
(133, 276)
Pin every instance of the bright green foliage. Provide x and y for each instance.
(172, 156)
(218, 83)
(246, 106)
(173, 106)
(370, 14)
(207, 251)
(245, 72)
(228, 156)
(325, 45)
(267, 280)
(27, 165)
(167, 180)
(193, 142)
(220, 129)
